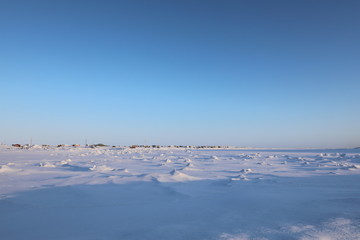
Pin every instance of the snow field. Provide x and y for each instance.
(171, 193)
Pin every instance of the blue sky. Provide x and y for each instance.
(242, 73)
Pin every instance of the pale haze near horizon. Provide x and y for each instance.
(239, 73)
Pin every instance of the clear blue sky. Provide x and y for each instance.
(244, 73)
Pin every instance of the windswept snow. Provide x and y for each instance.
(174, 193)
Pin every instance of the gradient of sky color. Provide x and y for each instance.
(243, 73)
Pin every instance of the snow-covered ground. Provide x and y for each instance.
(170, 193)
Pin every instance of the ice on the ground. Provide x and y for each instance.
(175, 193)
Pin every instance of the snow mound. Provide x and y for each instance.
(102, 168)
(249, 170)
(65, 162)
(148, 177)
(36, 147)
(240, 177)
(6, 169)
(179, 176)
(47, 165)
(354, 167)
(176, 176)
(189, 165)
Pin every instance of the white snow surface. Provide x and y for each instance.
(173, 193)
